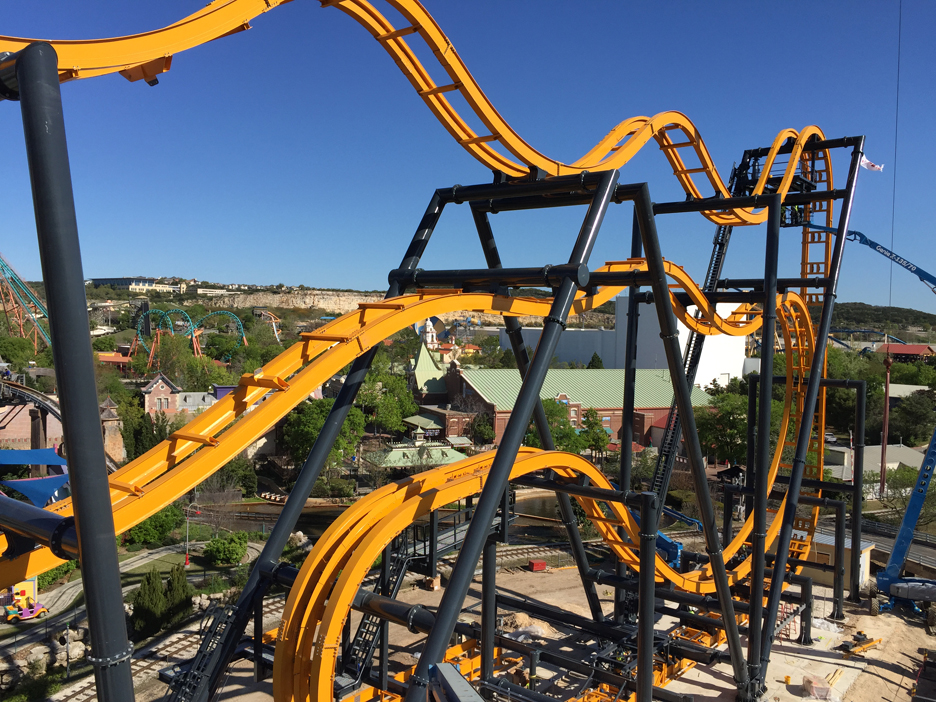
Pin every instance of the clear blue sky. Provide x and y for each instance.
(298, 153)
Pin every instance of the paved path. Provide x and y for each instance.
(57, 601)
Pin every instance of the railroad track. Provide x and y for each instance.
(147, 664)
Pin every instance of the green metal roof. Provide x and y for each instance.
(601, 388)
(429, 377)
(425, 421)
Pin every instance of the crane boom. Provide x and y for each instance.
(925, 276)
(891, 574)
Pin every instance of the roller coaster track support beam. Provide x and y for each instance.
(809, 407)
(756, 685)
(670, 336)
(309, 473)
(649, 508)
(488, 607)
(567, 514)
(32, 77)
(627, 427)
(496, 483)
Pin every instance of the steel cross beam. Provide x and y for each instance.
(809, 408)
(498, 476)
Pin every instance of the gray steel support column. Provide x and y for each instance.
(728, 499)
(36, 78)
(805, 637)
(566, 513)
(838, 578)
(649, 507)
(434, 543)
(309, 473)
(762, 463)
(499, 473)
(683, 397)
(627, 413)
(488, 608)
(384, 676)
(751, 468)
(809, 409)
(854, 594)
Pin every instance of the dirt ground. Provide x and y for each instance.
(885, 672)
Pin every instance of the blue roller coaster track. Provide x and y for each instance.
(242, 341)
(24, 298)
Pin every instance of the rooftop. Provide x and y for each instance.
(598, 387)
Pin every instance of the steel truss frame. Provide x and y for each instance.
(35, 80)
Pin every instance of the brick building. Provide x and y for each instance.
(495, 391)
(161, 395)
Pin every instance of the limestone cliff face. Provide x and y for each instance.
(338, 303)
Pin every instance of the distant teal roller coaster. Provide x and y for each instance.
(163, 322)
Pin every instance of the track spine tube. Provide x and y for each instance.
(809, 409)
(308, 474)
(649, 506)
(566, 512)
(57, 227)
(681, 391)
(750, 468)
(627, 412)
(762, 464)
(488, 608)
(854, 594)
(499, 474)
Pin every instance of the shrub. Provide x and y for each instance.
(178, 597)
(157, 527)
(229, 549)
(149, 605)
(56, 574)
(336, 487)
(133, 548)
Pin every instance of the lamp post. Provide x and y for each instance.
(188, 512)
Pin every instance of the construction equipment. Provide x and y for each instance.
(860, 643)
(901, 590)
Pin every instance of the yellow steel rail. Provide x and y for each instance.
(319, 601)
(214, 437)
(144, 56)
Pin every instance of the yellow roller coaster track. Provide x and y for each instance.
(144, 56)
(320, 599)
(210, 440)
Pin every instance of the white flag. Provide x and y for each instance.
(865, 163)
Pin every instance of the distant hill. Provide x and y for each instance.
(858, 315)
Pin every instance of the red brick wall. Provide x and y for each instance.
(161, 398)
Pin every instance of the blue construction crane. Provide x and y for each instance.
(900, 590)
(926, 277)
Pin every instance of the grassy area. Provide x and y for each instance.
(36, 688)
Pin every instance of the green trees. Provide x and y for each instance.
(16, 351)
(723, 427)
(304, 424)
(386, 397)
(178, 597)
(595, 361)
(228, 549)
(593, 434)
(913, 419)
(491, 355)
(482, 429)
(240, 472)
(149, 605)
(155, 529)
(898, 488)
(564, 435)
(157, 606)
